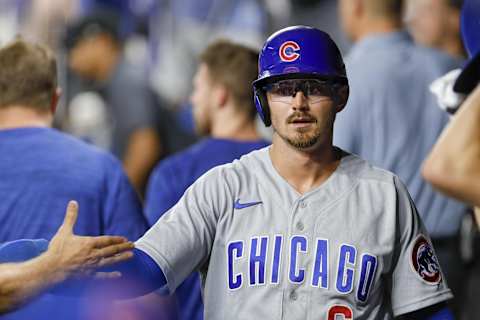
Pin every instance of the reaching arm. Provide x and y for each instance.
(453, 165)
(67, 255)
(21, 281)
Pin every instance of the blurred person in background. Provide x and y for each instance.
(224, 116)
(453, 166)
(436, 24)
(120, 104)
(181, 29)
(393, 120)
(320, 14)
(41, 169)
(45, 21)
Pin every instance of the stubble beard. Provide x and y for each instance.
(302, 140)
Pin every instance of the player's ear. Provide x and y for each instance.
(55, 98)
(221, 95)
(342, 97)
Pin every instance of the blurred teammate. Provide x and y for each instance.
(453, 166)
(95, 53)
(400, 122)
(224, 115)
(41, 169)
(66, 256)
(436, 24)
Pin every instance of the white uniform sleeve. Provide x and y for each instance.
(417, 280)
(181, 240)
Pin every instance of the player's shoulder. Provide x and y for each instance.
(435, 60)
(82, 152)
(184, 159)
(68, 140)
(363, 171)
(239, 169)
(249, 163)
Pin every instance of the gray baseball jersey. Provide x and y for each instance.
(352, 248)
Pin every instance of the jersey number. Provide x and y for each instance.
(338, 312)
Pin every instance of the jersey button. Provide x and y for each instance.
(303, 204)
(293, 296)
(300, 226)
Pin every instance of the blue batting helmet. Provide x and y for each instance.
(470, 27)
(296, 52)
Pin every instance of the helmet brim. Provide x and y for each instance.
(259, 83)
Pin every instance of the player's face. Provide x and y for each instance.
(302, 112)
(201, 100)
(88, 55)
(429, 21)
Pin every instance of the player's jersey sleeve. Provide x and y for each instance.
(181, 240)
(417, 280)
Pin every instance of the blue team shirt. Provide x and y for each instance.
(41, 169)
(169, 181)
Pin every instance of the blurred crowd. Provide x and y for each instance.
(126, 68)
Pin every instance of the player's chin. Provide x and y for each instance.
(304, 141)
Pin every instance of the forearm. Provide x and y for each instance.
(140, 275)
(476, 211)
(453, 166)
(20, 282)
(143, 151)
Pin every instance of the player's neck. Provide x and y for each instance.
(234, 126)
(378, 26)
(20, 117)
(303, 170)
(453, 47)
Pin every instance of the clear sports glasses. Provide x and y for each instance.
(313, 89)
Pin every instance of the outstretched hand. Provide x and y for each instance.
(72, 254)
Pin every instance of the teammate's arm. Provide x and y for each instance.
(143, 151)
(453, 165)
(67, 254)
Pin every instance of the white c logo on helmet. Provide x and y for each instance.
(289, 51)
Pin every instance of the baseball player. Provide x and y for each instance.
(453, 165)
(42, 168)
(300, 229)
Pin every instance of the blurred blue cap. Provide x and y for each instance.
(470, 27)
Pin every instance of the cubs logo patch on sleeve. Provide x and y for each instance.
(424, 261)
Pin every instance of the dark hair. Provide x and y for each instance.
(457, 4)
(234, 66)
(28, 75)
(100, 21)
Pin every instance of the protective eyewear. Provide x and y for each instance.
(313, 89)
